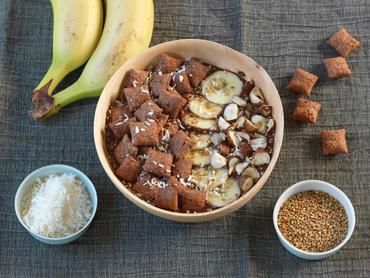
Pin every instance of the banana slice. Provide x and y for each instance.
(199, 176)
(204, 109)
(201, 157)
(193, 121)
(221, 195)
(201, 141)
(221, 86)
(218, 176)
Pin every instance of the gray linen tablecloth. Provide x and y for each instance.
(126, 241)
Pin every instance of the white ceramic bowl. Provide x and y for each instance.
(320, 186)
(212, 53)
(46, 171)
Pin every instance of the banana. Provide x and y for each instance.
(127, 31)
(221, 195)
(218, 176)
(201, 158)
(204, 109)
(77, 29)
(200, 177)
(221, 86)
(201, 141)
(193, 121)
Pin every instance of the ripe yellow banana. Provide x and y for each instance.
(127, 31)
(77, 29)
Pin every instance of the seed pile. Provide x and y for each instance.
(313, 221)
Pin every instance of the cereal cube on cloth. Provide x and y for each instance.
(334, 141)
(306, 111)
(343, 42)
(337, 67)
(302, 82)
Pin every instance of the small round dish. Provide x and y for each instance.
(46, 171)
(319, 186)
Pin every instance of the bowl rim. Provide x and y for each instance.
(179, 216)
(289, 193)
(38, 173)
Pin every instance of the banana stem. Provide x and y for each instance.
(52, 78)
(45, 105)
(77, 91)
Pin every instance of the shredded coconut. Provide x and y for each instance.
(57, 206)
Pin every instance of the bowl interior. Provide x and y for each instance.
(30, 180)
(320, 186)
(209, 52)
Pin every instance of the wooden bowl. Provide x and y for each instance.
(212, 53)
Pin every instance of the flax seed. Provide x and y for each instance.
(313, 221)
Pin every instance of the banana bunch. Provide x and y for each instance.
(78, 36)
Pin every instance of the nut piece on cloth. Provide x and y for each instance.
(159, 83)
(334, 141)
(123, 149)
(337, 67)
(135, 78)
(129, 169)
(136, 96)
(143, 134)
(343, 42)
(306, 111)
(302, 82)
(158, 163)
(168, 63)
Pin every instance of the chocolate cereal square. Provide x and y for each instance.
(129, 169)
(134, 78)
(172, 126)
(144, 188)
(337, 67)
(167, 198)
(334, 141)
(119, 112)
(183, 168)
(136, 96)
(123, 149)
(148, 110)
(306, 111)
(182, 84)
(162, 120)
(159, 83)
(158, 163)
(168, 63)
(171, 102)
(197, 71)
(180, 144)
(143, 134)
(190, 199)
(343, 42)
(302, 82)
(121, 127)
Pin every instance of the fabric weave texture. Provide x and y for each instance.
(125, 241)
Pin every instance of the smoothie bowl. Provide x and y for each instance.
(190, 130)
